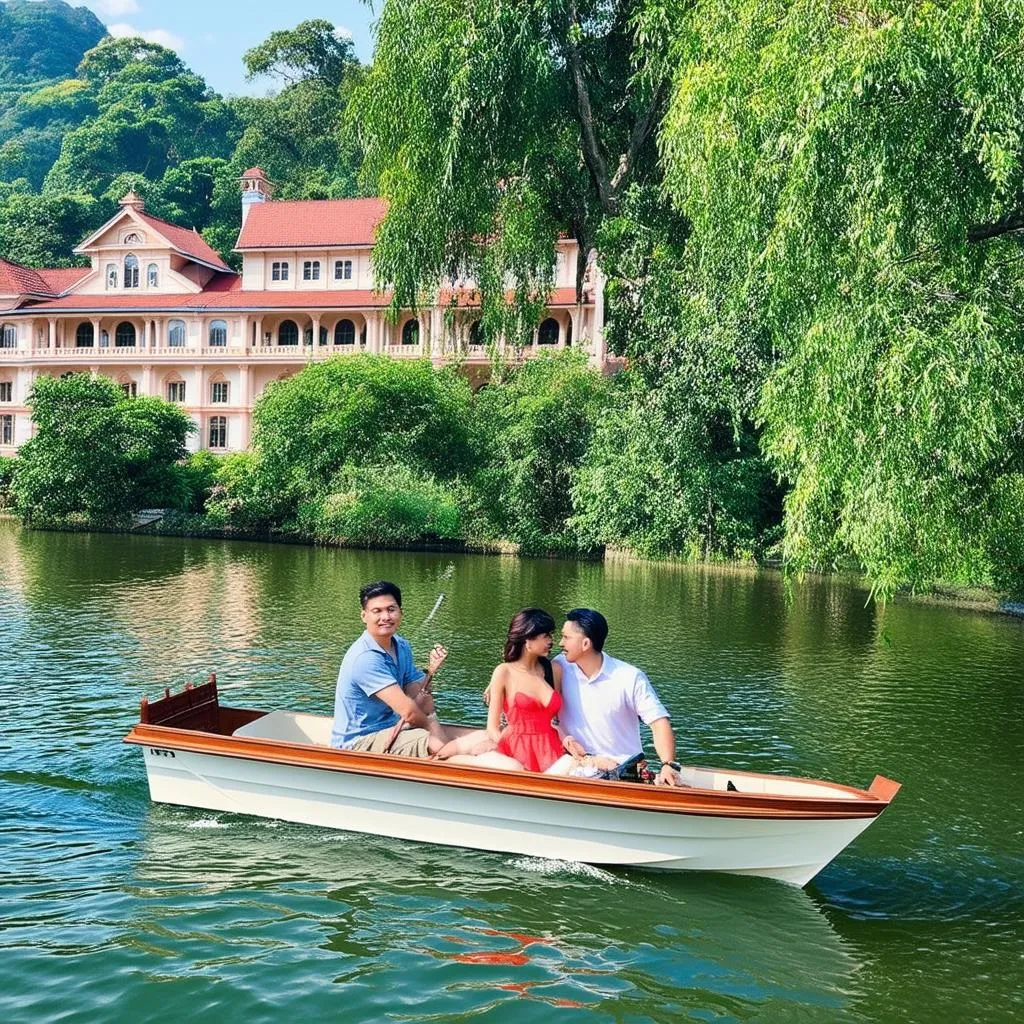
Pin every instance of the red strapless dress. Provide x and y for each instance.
(530, 737)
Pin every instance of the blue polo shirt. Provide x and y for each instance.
(366, 669)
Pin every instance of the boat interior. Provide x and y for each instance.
(198, 708)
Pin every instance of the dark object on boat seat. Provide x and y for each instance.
(634, 769)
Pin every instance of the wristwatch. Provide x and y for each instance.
(674, 765)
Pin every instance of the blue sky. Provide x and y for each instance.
(210, 36)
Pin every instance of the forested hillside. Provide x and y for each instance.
(80, 123)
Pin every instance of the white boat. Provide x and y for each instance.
(278, 764)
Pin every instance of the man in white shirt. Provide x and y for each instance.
(604, 699)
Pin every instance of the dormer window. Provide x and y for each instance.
(111, 275)
(152, 275)
(131, 271)
(342, 270)
(311, 270)
(279, 271)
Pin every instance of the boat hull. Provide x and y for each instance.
(790, 849)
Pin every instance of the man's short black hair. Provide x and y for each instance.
(593, 625)
(379, 589)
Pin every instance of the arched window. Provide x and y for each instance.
(345, 333)
(152, 275)
(218, 332)
(548, 333)
(131, 271)
(176, 333)
(218, 431)
(84, 336)
(8, 336)
(133, 238)
(288, 333)
(111, 275)
(411, 332)
(124, 336)
(476, 333)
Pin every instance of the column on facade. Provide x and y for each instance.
(51, 336)
(576, 319)
(259, 332)
(245, 402)
(95, 321)
(315, 346)
(436, 332)
(147, 380)
(598, 346)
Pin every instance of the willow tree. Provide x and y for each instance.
(491, 127)
(853, 179)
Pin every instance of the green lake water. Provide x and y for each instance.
(113, 908)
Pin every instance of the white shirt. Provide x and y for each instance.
(604, 711)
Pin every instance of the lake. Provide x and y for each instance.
(112, 908)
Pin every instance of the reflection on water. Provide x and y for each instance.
(113, 908)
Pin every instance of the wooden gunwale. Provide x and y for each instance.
(624, 795)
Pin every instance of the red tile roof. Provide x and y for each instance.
(291, 224)
(254, 172)
(16, 279)
(61, 278)
(187, 241)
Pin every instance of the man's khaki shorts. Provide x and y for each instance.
(408, 743)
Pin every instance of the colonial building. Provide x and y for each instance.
(161, 313)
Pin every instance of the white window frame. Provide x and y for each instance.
(220, 424)
(7, 428)
(176, 392)
(6, 391)
(279, 270)
(219, 392)
(342, 270)
(311, 270)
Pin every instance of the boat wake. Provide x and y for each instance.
(544, 866)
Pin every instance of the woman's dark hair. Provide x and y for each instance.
(525, 625)
(593, 625)
(379, 589)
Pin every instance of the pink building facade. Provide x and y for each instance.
(159, 312)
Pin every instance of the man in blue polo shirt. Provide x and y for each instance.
(383, 703)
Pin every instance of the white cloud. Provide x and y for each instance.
(343, 33)
(113, 8)
(151, 35)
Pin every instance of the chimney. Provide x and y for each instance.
(256, 188)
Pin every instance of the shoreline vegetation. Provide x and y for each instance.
(374, 453)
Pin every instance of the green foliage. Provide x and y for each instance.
(239, 498)
(42, 40)
(192, 481)
(386, 504)
(95, 452)
(539, 425)
(853, 182)
(362, 410)
(303, 137)
(151, 114)
(518, 121)
(38, 229)
(6, 479)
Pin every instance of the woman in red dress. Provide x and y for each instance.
(527, 688)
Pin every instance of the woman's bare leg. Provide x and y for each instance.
(476, 742)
